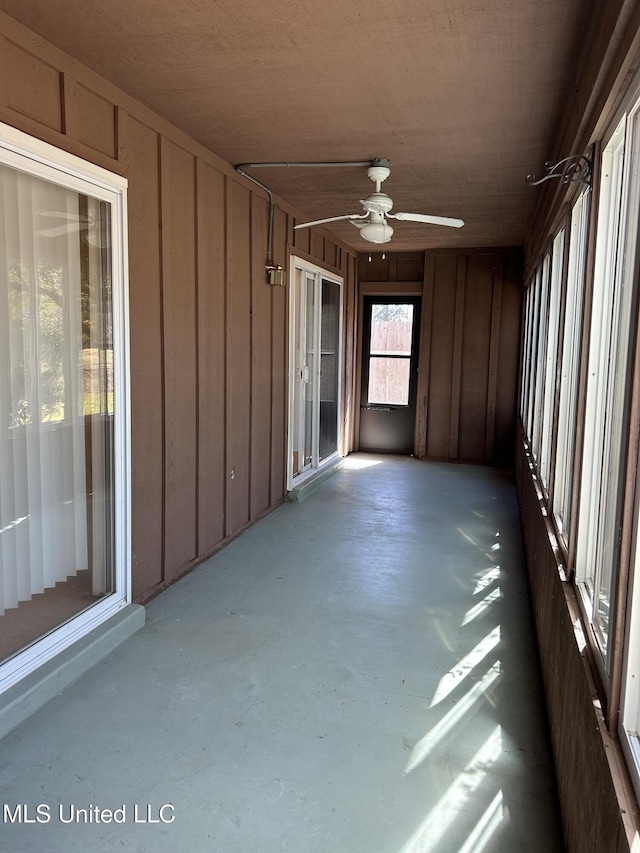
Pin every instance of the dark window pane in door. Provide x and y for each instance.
(389, 381)
(329, 347)
(390, 348)
(391, 329)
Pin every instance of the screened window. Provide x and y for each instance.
(529, 354)
(533, 353)
(630, 716)
(551, 359)
(526, 360)
(561, 370)
(607, 392)
(569, 365)
(630, 704)
(542, 288)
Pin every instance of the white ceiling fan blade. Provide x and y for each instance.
(62, 214)
(330, 219)
(432, 220)
(59, 230)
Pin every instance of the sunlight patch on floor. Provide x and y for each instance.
(356, 464)
(456, 675)
(451, 719)
(486, 579)
(482, 606)
(489, 551)
(447, 810)
(486, 827)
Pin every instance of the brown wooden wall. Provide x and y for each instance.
(208, 334)
(469, 347)
(598, 803)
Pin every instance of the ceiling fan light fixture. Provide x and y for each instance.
(376, 232)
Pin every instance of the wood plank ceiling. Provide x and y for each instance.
(463, 96)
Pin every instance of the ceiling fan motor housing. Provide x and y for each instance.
(377, 203)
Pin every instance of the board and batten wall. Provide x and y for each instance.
(469, 346)
(208, 334)
(595, 793)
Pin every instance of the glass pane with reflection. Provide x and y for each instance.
(390, 348)
(56, 407)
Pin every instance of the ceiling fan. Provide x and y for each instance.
(86, 224)
(373, 223)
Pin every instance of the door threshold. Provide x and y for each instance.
(300, 492)
(28, 695)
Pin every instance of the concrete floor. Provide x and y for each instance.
(354, 674)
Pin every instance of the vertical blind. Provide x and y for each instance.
(56, 388)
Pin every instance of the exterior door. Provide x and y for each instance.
(389, 373)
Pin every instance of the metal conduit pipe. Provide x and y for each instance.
(305, 165)
(240, 168)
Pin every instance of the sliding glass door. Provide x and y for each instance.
(63, 480)
(315, 311)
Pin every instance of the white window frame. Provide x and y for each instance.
(570, 364)
(607, 385)
(541, 355)
(529, 372)
(553, 327)
(44, 161)
(526, 360)
(629, 719)
(533, 355)
(629, 725)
